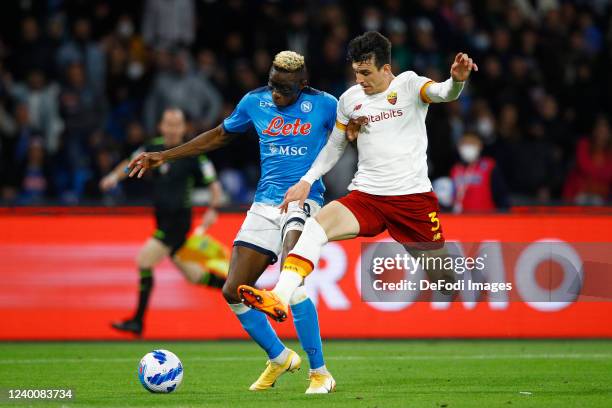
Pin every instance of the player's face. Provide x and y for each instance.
(173, 128)
(371, 78)
(285, 86)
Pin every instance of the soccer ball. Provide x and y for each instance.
(160, 371)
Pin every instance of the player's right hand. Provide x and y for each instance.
(298, 192)
(354, 126)
(143, 162)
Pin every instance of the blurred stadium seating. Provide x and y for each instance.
(82, 83)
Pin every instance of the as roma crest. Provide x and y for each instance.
(392, 97)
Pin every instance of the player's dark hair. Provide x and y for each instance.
(371, 44)
(174, 108)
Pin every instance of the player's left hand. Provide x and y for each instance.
(354, 126)
(462, 67)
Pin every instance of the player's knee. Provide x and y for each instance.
(143, 260)
(192, 272)
(140, 262)
(322, 220)
(336, 221)
(317, 230)
(230, 292)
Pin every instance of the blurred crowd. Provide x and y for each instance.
(83, 82)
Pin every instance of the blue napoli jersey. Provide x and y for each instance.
(290, 138)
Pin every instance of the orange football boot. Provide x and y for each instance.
(263, 300)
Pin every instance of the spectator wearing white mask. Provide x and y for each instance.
(478, 183)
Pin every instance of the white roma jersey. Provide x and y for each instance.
(392, 148)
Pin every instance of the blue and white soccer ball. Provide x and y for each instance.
(160, 371)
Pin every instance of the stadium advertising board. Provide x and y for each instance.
(68, 276)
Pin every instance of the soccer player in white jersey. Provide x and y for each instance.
(391, 190)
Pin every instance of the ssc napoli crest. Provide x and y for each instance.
(306, 106)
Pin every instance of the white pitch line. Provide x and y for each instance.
(336, 358)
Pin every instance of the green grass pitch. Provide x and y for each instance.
(370, 374)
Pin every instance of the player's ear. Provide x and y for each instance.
(303, 83)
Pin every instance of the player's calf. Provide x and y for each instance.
(230, 291)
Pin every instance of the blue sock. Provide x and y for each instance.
(306, 324)
(258, 326)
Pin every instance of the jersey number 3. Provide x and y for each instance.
(435, 220)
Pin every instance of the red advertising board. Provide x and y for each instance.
(67, 276)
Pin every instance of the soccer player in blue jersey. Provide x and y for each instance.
(293, 122)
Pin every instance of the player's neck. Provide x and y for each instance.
(386, 84)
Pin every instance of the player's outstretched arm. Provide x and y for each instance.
(211, 215)
(450, 89)
(327, 158)
(114, 177)
(202, 143)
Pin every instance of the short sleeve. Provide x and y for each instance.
(207, 169)
(416, 85)
(240, 120)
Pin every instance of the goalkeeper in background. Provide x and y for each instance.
(201, 259)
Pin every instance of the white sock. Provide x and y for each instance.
(311, 241)
(320, 370)
(238, 308)
(280, 359)
(287, 283)
(308, 247)
(299, 295)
